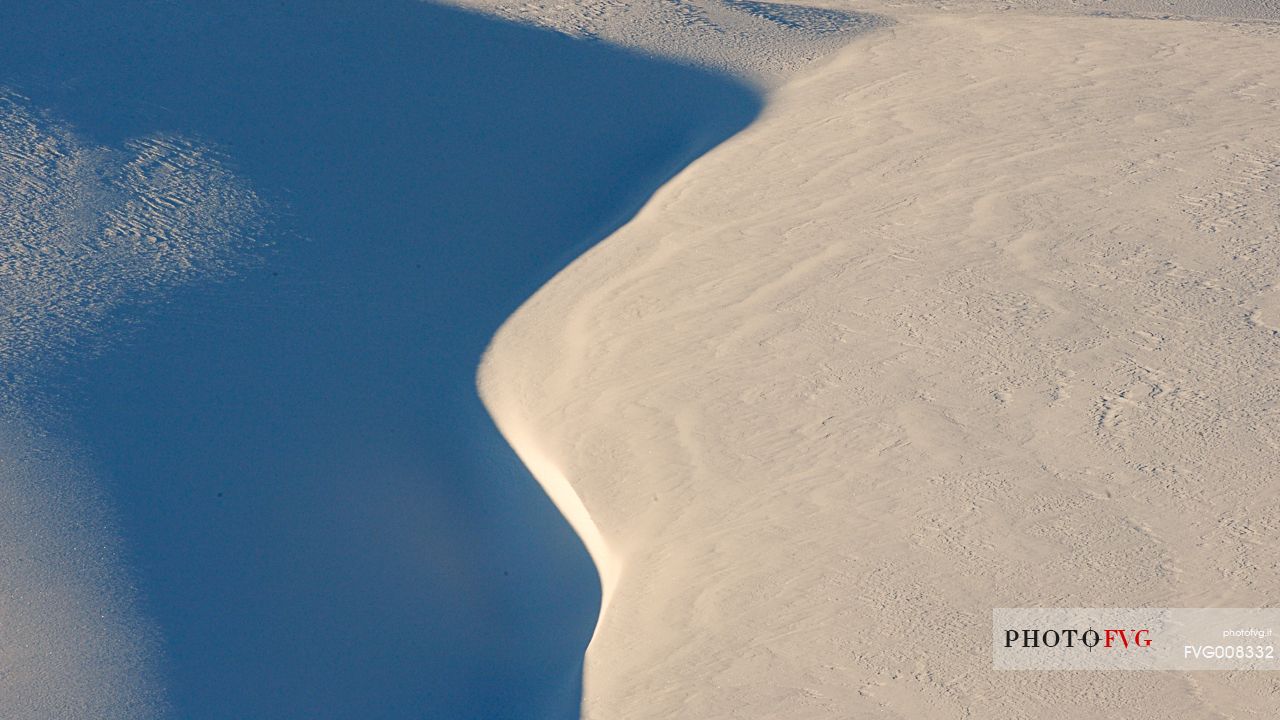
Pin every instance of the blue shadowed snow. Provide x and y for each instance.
(324, 521)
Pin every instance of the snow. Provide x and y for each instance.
(804, 337)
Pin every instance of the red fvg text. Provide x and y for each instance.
(1110, 638)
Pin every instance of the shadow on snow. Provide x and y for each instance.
(324, 520)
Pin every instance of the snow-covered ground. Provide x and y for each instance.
(979, 310)
(980, 313)
(251, 256)
(83, 229)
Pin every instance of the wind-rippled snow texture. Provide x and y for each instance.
(85, 229)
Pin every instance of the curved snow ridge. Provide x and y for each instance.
(760, 42)
(561, 492)
(86, 229)
(807, 392)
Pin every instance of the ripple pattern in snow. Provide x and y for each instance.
(84, 229)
